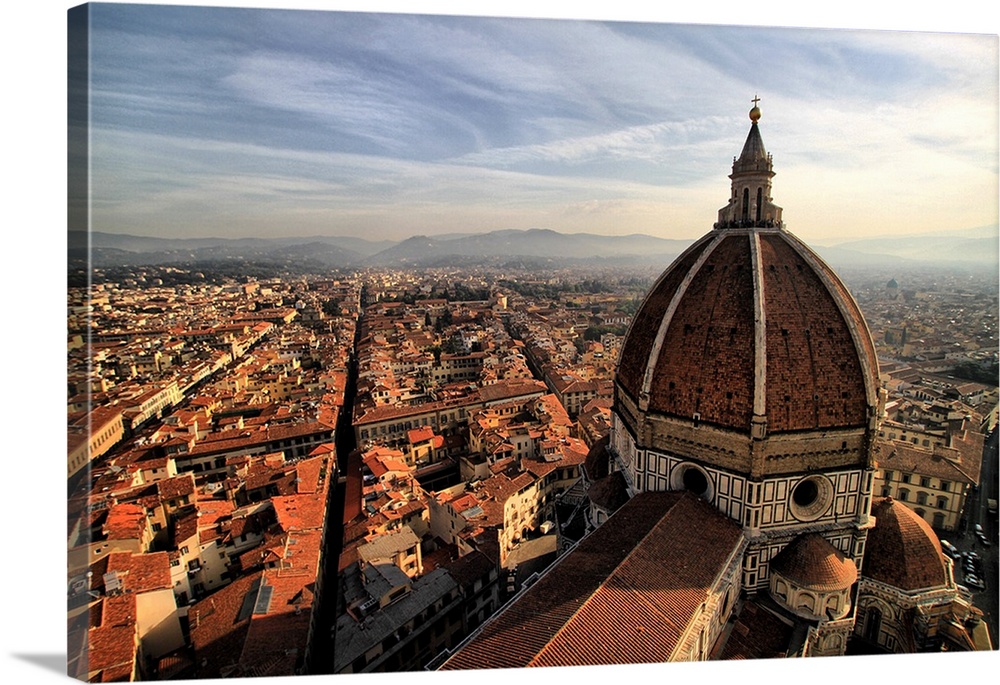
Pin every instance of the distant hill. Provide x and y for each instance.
(112, 249)
(146, 244)
(961, 246)
(972, 247)
(537, 243)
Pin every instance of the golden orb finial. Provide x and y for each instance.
(755, 112)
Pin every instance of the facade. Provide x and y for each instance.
(731, 503)
(92, 435)
(931, 474)
(391, 424)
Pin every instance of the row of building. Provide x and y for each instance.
(200, 533)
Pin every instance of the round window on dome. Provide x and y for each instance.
(695, 481)
(692, 478)
(805, 493)
(811, 497)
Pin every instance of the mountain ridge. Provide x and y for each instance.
(978, 246)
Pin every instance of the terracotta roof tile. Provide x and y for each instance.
(125, 522)
(902, 549)
(811, 561)
(612, 599)
(141, 572)
(757, 634)
(112, 643)
(816, 374)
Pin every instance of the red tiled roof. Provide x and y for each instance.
(307, 472)
(216, 634)
(417, 435)
(757, 634)
(817, 376)
(125, 522)
(112, 642)
(299, 512)
(902, 549)
(178, 486)
(811, 561)
(625, 594)
(962, 462)
(141, 572)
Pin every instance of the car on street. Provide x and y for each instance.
(950, 549)
(973, 581)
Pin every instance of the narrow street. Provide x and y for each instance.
(977, 512)
(344, 439)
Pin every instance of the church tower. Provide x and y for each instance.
(749, 377)
(750, 202)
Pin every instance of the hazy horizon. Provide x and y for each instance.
(985, 231)
(233, 122)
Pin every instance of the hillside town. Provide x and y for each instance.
(353, 472)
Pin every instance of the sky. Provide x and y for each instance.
(234, 122)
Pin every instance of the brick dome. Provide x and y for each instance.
(902, 550)
(751, 322)
(749, 330)
(809, 561)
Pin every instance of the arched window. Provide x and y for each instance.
(873, 624)
(760, 197)
(902, 495)
(807, 602)
(833, 603)
(780, 589)
(921, 497)
(746, 204)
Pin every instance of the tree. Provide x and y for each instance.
(331, 307)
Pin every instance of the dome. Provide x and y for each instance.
(751, 332)
(609, 493)
(809, 561)
(597, 463)
(902, 549)
(761, 306)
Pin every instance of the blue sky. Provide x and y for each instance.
(230, 122)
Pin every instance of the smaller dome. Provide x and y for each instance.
(755, 114)
(810, 562)
(902, 549)
(598, 461)
(609, 493)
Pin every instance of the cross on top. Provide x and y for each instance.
(755, 100)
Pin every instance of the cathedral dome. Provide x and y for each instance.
(811, 562)
(903, 551)
(761, 311)
(749, 330)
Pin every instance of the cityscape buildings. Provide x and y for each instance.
(389, 470)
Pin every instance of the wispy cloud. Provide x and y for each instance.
(390, 122)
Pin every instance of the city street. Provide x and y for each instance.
(977, 512)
